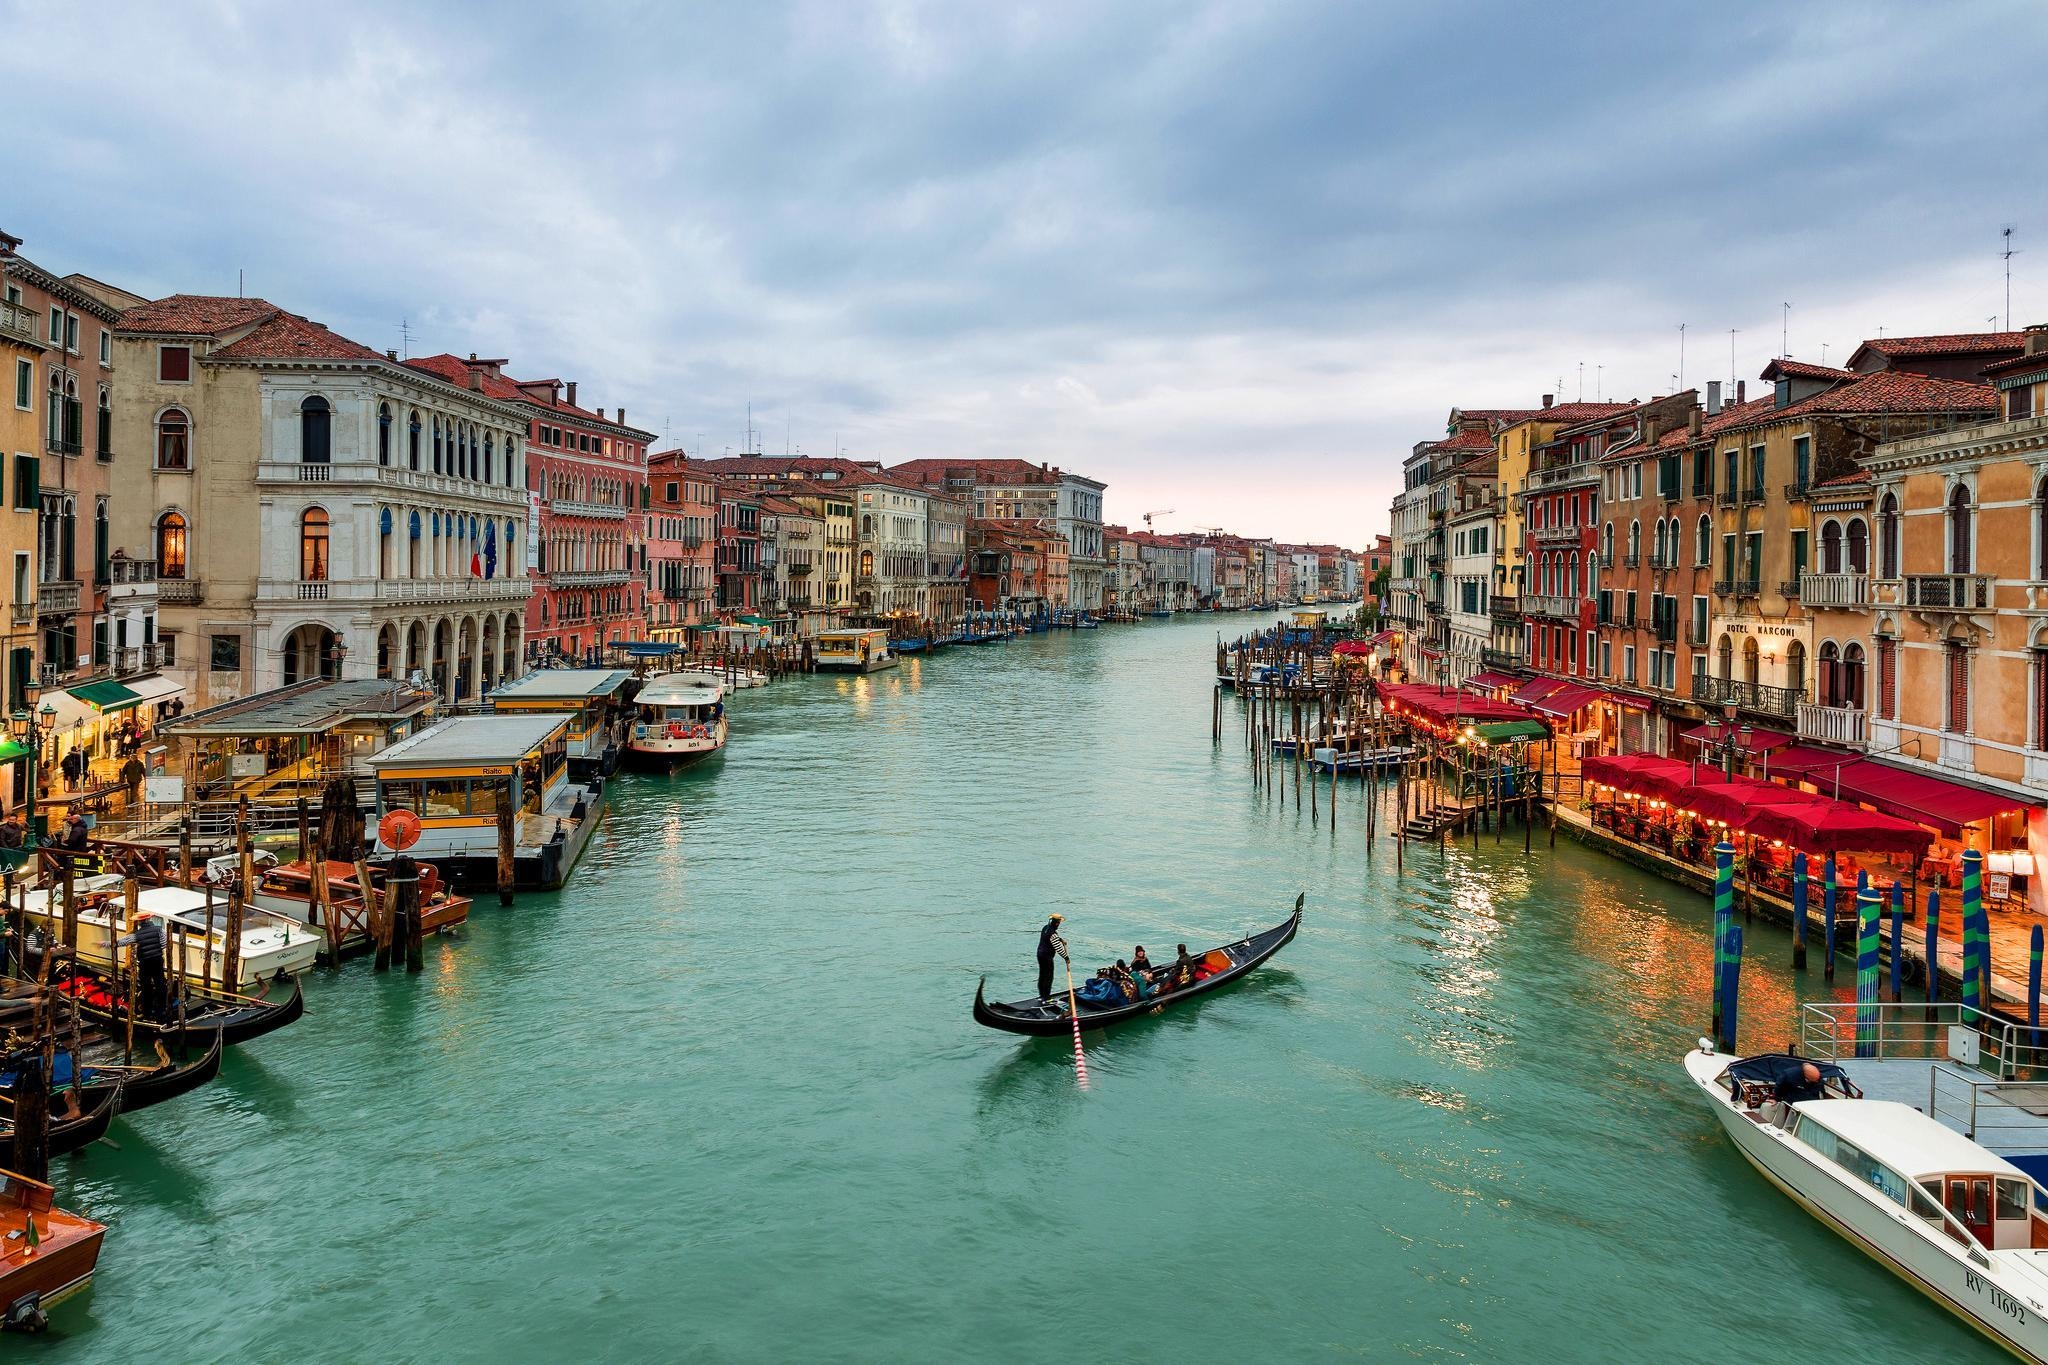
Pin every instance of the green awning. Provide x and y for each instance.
(754, 620)
(10, 752)
(1512, 729)
(106, 696)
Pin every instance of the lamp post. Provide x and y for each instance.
(29, 731)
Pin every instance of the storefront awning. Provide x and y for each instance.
(105, 695)
(1500, 732)
(1567, 699)
(10, 752)
(1824, 826)
(1807, 763)
(1489, 678)
(1754, 741)
(156, 687)
(1537, 687)
(1934, 801)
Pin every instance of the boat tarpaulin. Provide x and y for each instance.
(651, 649)
(1754, 740)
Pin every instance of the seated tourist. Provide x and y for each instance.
(1139, 962)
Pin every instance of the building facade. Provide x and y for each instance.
(682, 545)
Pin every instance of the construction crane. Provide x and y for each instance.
(1162, 512)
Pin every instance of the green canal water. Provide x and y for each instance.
(721, 1100)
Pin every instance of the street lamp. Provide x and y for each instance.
(29, 731)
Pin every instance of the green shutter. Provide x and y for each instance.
(21, 665)
(67, 544)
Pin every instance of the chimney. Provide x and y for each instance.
(572, 393)
(1741, 392)
(1652, 428)
(1692, 422)
(391, 355)
(621, 417)
(600, 414)
(1548, 399)
(2037, 339)
(476, 381)
(472, 357)
(1713, 398)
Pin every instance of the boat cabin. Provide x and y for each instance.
(590, 699)
(853, 651)
(1928, 1168)
(680, 699)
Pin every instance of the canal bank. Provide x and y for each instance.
(721, 1099)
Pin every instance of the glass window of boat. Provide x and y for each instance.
(1926, 1199)
(399, 796)
(445, 796)
(487, 795)
(2012, 1199)
(1860, 1165)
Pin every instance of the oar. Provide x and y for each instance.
(1074, 1013)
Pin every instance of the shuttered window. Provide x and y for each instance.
(27, 484)
(1958, 719)
(2041, 699)
(1887, 678)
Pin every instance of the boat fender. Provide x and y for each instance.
(1707, 1046)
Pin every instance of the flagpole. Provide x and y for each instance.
(1074, 1013)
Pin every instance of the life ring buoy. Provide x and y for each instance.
(677, 730)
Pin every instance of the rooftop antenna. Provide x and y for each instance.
(1599, 390)
(1678, 380)
(1582, 382)
(1785, 331)
(2008, 280)
(2007, 256)
(1823, 353)
(405, 338)
(1731, 357)
(785, 433)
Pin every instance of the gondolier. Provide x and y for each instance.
(1050, 945)
(148, 938)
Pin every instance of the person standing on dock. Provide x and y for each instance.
(1050, 945)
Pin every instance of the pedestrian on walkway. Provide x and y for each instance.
(74, 768)
(132, 773)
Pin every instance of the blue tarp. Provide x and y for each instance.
(650, 649)
(1098, 991)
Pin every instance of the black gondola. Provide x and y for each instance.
(1035, 1017)
(236, 1018)
(141, 1089)
(68, 1135)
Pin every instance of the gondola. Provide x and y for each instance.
(1034, 1016)
(68, 1135)
(236, 1018)
(141, 1089)
(140, 1086)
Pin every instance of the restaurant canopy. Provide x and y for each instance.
(1502, 731)
(1753, 740)
(1562, 701)
(1823, 825)
(1805, 820)
(1807, 763)
(1489, 679)
(1450, 707)
(1349, 647)
(1933, 801)
(1537, 687)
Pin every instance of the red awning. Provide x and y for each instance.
(1567, 699)
(1537, 687)
(1807, 763)
(1381, 637)
(1756, 741)
(1937, 802)
(1489, 679)
(1349, 647)
(1649, 775)
(1820, 825)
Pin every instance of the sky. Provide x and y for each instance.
(1233, 259)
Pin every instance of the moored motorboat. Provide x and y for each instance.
(271, 944)
(678, 719)
(1359, 760)
(46, 1254)
(1959, 1222)
(1049, 1018)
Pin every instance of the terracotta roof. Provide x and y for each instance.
(1854, 476)
(1574, 414)
(1466, 440)
(1503, 415)
(1800, 369)
(456, 371)
(1898, 391)
(2019, 364)
(287, 336)
(195, 314)
(781, 466)
(1957, 343)
(1002, 470)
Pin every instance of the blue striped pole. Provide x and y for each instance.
(1898, 939)
(1799, 912)
(1732, 988)
(1724, 920)
(1933, 946)
(1866, 972)
(1976, 933)
(1827, 913)
(2034, 987)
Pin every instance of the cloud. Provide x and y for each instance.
(1234, 258)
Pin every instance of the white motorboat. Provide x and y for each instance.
(678, 719)
(1963, 1224)
(272, 944)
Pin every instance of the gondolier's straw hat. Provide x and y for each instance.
(1057, 915)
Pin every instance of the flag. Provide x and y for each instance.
(476, 565)
(29, 1233)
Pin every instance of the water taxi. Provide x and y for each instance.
(591, 699)
(273, 945)
(287, 889)
(853, 651)
(457, 775)
(1922, 1151)
(46, 1254)
(678, 719)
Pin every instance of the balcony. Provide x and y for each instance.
(1848, 725)
(1752, 494)
(1435, 559)
(1727, 497)
(1798, 492)
(566, 507)
(1617, 620)
(1500, 658)
(1563, 474)
(372, 476)
(24, 613)
(180, 591)
(516, 588)
(137, 659)
(1948, 592)
(1702, 488)
(1555, 535)
(590, 578)
(18, 324)
(1696, 636)
(1505, 608)
(1667, 630)
(1747, 696)
(1566, 608)
(57, 598)
(1632, 560)
(57, 445)
(1834, 589)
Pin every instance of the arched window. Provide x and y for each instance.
(173, 440)
(490, 462)
(1657, 544)
(1578, 583)
(1859, 546)
(1830, 674)
(1727, 652)
(1751, 664)
(105, 448)
(867, 563)
(1888, 537)
(1703, 547)
(1957, 718)
(384, 434)
(1852, 675)
(1960, 551)
(314, 420)
(2041, 531)
(170, 545)
(1607, 540)
(1831, 547)
(1795, 670)
(1635, 540)
(313, 545)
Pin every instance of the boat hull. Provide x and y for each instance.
(1881, 1229)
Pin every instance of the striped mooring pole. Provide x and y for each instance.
(1898, 942)
(1933, 947)
(2034, 987)
(1724, 922)
(1827, 915)
(1866, 972)
(1731, 988)
(1976, 933)
(1799, 898)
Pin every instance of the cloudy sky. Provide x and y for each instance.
(1232, 258)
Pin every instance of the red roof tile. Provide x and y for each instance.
(1897, 391)
(195, 314)
(456, 371)
(2019, 364)
(1466, 440)
(287, 336)
(1001, 470)
(1957, 343)
(1801, 369)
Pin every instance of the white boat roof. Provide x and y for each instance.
(852, 633)
(471, 739)
(1905, 1139)
(563, 684)
(681, 691)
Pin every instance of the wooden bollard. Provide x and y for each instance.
(231, 954)
(410, 916)
(30, 1094)
(506, 849)
(185, 853)
(70, 905)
